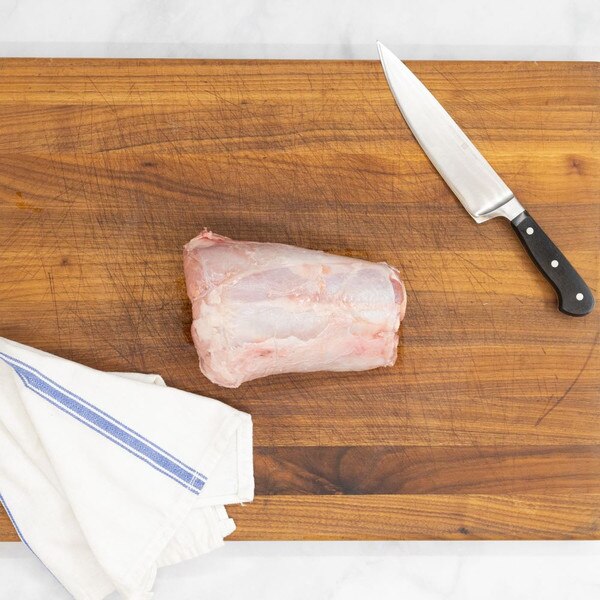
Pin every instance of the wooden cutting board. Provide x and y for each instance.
(488, 426)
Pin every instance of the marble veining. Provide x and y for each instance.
(427, 29)
(352, 571)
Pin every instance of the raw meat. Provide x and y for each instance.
(261, 309)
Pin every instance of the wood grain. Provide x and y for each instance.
(416, 517)
(488, 426)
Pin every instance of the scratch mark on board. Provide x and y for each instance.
(572, 385)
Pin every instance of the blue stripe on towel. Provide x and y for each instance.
(106, 425)
(101, 412)
(22, 537)
(12, 520)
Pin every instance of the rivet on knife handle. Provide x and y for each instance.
(475, 183)
(574, 296)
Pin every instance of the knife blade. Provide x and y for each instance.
(474, 182)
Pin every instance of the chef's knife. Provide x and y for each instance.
(478, 187)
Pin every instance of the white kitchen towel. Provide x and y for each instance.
(108, 476)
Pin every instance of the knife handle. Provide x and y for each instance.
(574, 296)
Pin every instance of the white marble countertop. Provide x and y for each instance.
(351, 571)
(428, 29)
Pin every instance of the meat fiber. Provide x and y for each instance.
(262, 308)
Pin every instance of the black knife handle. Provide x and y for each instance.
(574, 296)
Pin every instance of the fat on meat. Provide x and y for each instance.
(264, 308)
